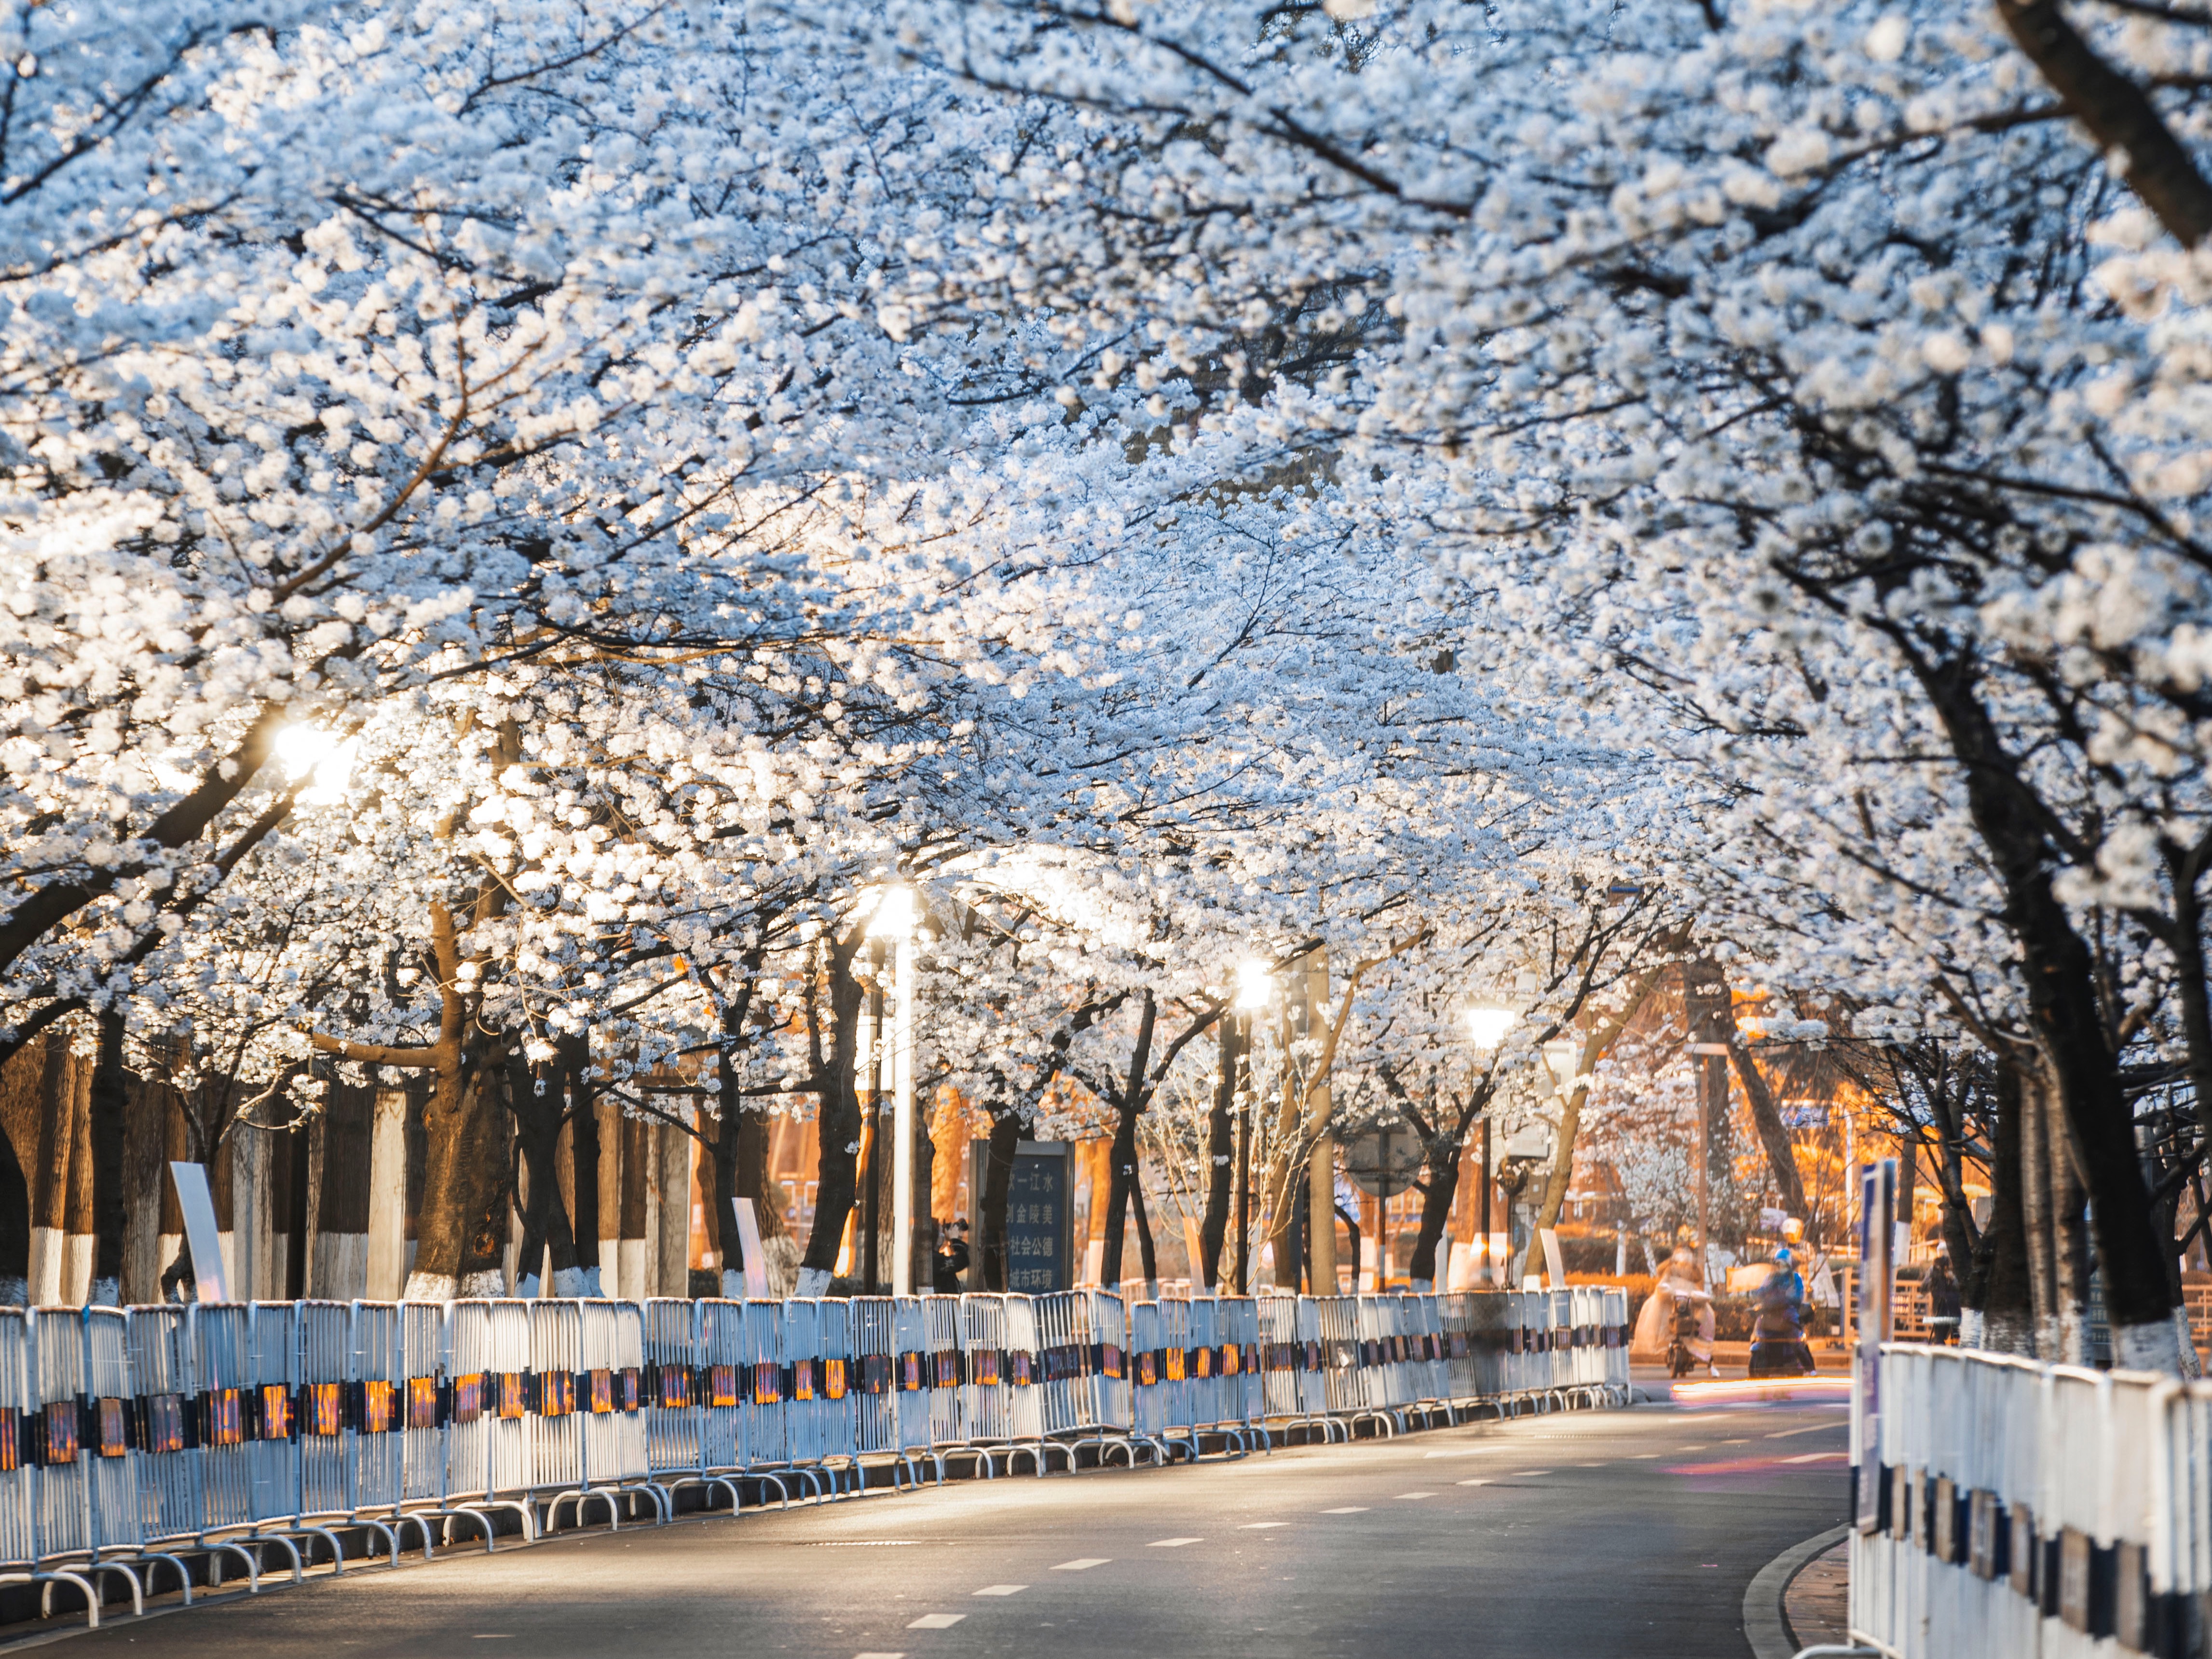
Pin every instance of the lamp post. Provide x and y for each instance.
(894, 919)
(1488, 1024)
(1255, 987)
(869, 1078)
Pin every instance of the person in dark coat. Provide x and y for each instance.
(951, 1259)
(1942, 1300)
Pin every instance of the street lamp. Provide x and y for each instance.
(308, 750)
(1490, 1023)
(892, 918)
(1255, 984)
(1255, 989)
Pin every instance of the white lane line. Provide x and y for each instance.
(1589, 1465)
(1083, 1565)
(1173, 1543)
(1464, 1451)
(1735, 1442)
(1815, 1457)
(1351, 1508)
(879, 1655)
(1529, 1474)
(1810, 1428)
(1479, 1480)
(1405, 1497)
(1002, 1590)
(937, 1621)
(1689, 1448)
(1642, 1457)
(1261, 1526)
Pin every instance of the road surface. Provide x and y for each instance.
(1570, 1536)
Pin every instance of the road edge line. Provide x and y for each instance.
(1765, 1625)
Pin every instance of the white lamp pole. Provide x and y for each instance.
(903, 1117)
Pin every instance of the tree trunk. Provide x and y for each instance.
(1121, 1167)
(2001, 1287)
(2120, 115)
(2035, 1121)
(1145, 1256)
(2059, 971)
(838, 1123)
(1221, 1154)
(2070, 1243)
(538, 1096)
(110, 1214)
(1437, 1195)
(584, 1162)
(997, 1180)
(15, 1226)
(1773, 1135)
(464, 1182)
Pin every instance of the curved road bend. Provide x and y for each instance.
(1574, 1536)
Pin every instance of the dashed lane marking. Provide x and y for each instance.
(1083, 1565)
(1815, 1457)
(1002, 1590)
(1350, 1509)
(1479, 1480)
(1810, 1428)
(1261, 1526)
(1173, 1543)
(1405, 1497)
(937, 1621)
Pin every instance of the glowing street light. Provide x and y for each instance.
(1255, 984)
(1489, 1024)
(303, 749)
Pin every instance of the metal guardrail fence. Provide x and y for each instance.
(2011, 1508)
(133, 1438)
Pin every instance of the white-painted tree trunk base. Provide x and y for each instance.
(2146, 1348)
(813, 1281)
(14, 1292)
(2185, 1344)
(104, 1293)
(525, 1288)
(46, 1280)
(1423, 1287)
(2073, 1337)
(733, 1284)
(1970, 1328)
(572, 1283)
(486, 1284)
(428, 1287)
(610, 1268)
(2002, 1335)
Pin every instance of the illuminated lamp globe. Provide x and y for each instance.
(1490, 1024)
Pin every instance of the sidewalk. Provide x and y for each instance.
(1817, 1604)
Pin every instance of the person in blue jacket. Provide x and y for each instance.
(1777, 1340)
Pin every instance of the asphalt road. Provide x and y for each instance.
(1569, 1536)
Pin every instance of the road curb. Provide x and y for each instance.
(1763, 1626)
